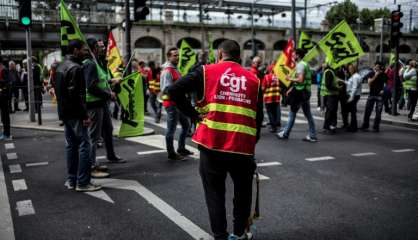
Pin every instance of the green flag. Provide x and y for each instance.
(131, 99)
(69, 28)
(311, 48)
(187, 58)
(341, 46)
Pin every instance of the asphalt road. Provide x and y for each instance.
(366, 189)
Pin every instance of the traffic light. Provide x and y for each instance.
(140, 10)
(395, 28)
(25, 13)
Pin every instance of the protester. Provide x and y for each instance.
(24, 83)
(342, 75)
(71, 92)
(14, 80)
(299, 95)
(154, 90)
(4, 101)
(330, 91)
(227, 150)
(169, 76)
(376, 85)
(387, 91)
(98, 95)
(410, 85)
(145, 78)
(38, 83)
(271, 96)
(354, 93)
(255, 67)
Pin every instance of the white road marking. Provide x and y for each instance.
(363, 154)
(19, 185)
(151, 152)
(403, 150)
(262, 177)
(158, 141)
(25, 208)
(324, 158)
(267, 164)
(15, 168)
(101, 195)
(6, 224)
(36, 164)
(179, 219)
(100, 157)
(11, 156)
(9, 146)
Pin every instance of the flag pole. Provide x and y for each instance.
(129, 63)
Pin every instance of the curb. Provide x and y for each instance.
(400, 124)
(147, 131)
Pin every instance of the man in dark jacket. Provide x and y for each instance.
(71, 99)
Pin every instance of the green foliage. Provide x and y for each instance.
(346, 10)
(367, 16)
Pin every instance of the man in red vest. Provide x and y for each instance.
(169, 75)
(229, 113)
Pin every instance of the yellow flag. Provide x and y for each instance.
(187, 58)
(113, 57)
(341, 46)
(285, 63)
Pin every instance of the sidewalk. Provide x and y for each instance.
(50, 120)
(400, 120)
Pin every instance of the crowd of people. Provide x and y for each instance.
(223, 104)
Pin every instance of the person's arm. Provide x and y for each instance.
(166, 80)
(79, 92)
(92, 80)
(372, 79)
(192, 82)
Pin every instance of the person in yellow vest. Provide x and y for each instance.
(98, 95)
(229, 115)
(271, 95)
(330, 90)
(410, 84)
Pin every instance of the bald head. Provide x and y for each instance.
(257, 61)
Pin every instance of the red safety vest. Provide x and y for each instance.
(230, 109)
(176, 76)
(271, 89)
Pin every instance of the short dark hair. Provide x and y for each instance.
(75, 44)
(300, 52)
(409, 61)
(378, 63)
(170, 50)
(92, 42)
(230, 49)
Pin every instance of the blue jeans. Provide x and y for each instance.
(371, 100)
(77, 152)
(306, 108)
(274, 113)
(174, 116)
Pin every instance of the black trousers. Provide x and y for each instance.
(331, 105)
(5, 115)
(214, 167)
(412, 101)
(352, 110)
(342, 98)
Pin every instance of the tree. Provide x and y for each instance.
(346, 10)
(367, 16)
